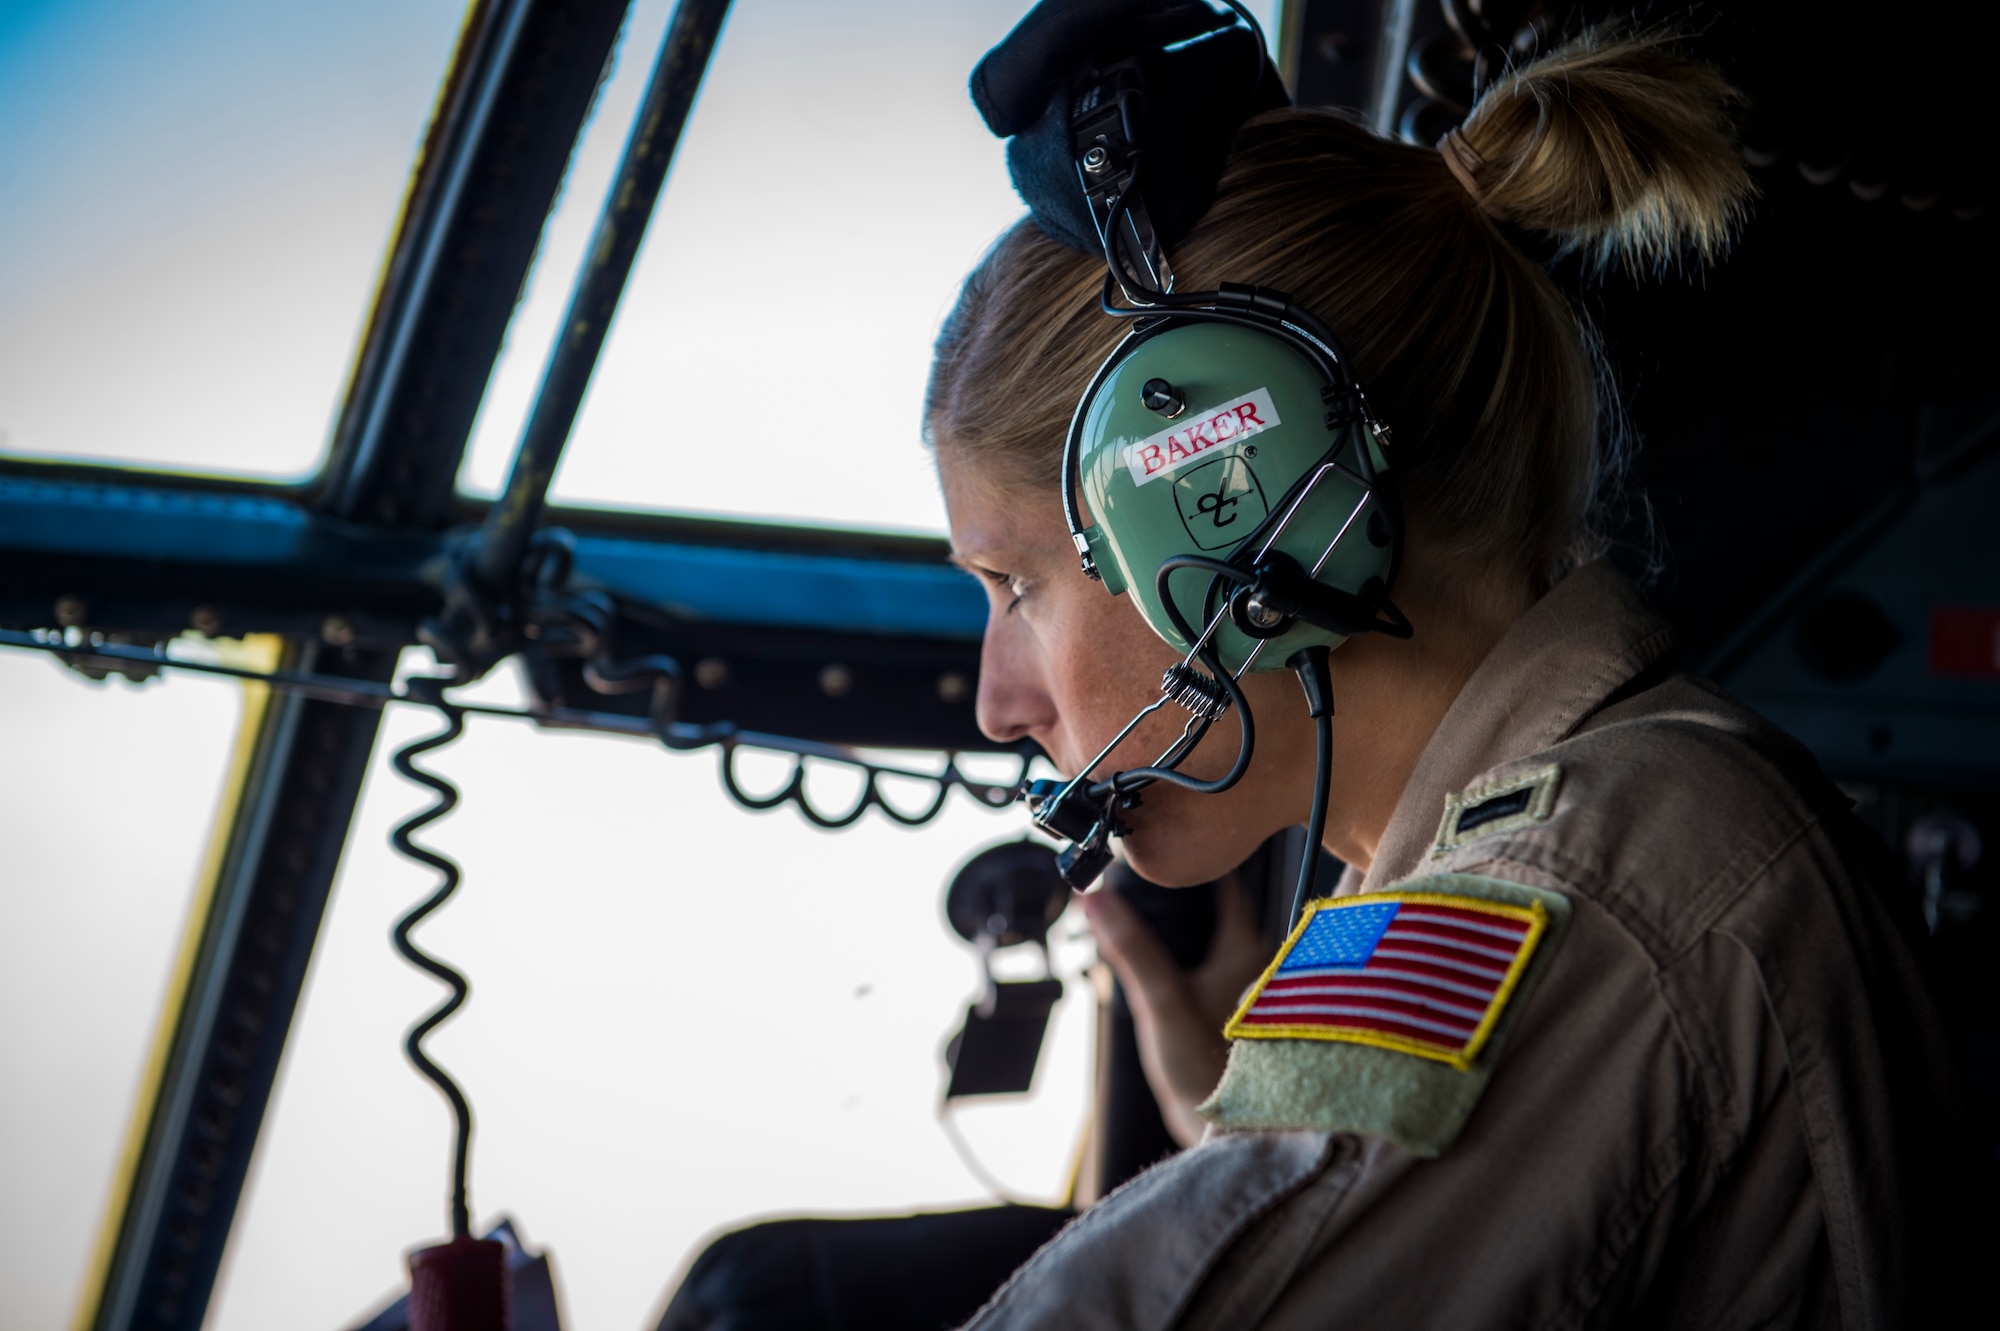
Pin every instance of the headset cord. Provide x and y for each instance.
(447, 799)
(1310, 663)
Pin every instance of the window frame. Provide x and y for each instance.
(345, 567)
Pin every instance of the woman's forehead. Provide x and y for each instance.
(993, 512)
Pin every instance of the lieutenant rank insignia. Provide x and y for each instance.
(1419, 972)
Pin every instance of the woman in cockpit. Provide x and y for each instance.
(1608, 1021)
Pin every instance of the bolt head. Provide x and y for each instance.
(205, 620)
(1096, 160)
(71, 611)
(836, 681)
(711, 672)
(954, 687)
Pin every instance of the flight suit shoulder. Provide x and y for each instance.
(1639, 830)
(1664, 816)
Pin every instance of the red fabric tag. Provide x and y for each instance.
(1965, 642)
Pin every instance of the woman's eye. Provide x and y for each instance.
(1014, 587)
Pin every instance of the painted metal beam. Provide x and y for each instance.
(516, 98)
(226, 1024)
(146, 559)
(593, 303)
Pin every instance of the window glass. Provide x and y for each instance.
(683, 1016)
(832, 189)
(108, 800)
(198, 199)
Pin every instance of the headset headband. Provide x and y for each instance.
(1095, 132)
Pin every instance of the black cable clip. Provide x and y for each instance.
(1284, 593)
(1264, 300)
(1104, 142)
(1084, 818)
(1343, 405)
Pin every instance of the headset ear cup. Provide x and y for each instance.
(1389, 508)
(1250, 463)
(1104, 558)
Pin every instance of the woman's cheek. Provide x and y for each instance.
(1107, 681)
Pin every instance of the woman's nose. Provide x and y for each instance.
(1014, 701)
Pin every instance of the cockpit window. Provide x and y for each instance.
(682, 1013)
(833, 186)
(110, 801)
(198, 197)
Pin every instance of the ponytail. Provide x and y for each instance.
(1616, 144)
(1505, 441)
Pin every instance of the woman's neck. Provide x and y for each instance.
(1390, 697)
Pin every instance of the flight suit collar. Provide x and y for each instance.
(1587, 638)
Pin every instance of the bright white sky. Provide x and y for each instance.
(821, 213)
(683, 1015)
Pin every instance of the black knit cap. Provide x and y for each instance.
(1203, 76)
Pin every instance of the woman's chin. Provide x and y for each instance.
(1177, 853)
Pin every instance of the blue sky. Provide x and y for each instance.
(197, 201)
(123, 114)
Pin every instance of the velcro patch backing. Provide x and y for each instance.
(1371, 1074)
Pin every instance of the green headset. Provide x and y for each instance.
(1237, 485)
(1228, 441)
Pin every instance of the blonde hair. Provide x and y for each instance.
(1615, 145)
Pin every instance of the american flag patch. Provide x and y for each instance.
(1420, 972)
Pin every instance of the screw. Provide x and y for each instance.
(954, 687)
(711, 672)
(71, 611)
(1096, 160)
(1157, 395)
(336, 630)
(836, 680)
(206, 620)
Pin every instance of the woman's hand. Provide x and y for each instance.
(1179, 1014)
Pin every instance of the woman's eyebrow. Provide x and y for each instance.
(978, 570)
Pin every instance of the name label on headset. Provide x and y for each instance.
(1164, 453)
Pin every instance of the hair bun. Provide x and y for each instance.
(1616, 143)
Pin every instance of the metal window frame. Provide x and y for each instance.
(346, 567)
(515, 97)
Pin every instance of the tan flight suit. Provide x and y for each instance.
(1720, 1100)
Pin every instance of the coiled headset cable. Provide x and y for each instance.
(432, 691)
